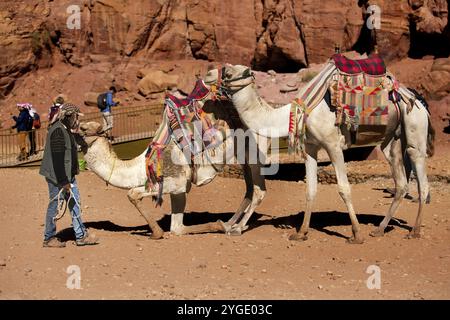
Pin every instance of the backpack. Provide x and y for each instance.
(101, 101)
(36, 121)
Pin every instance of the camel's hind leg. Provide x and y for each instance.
(416, 124)
(423, 187)
(394, 154)
(178, 203)
(417, 157)
(311, 190)
(337, 158)
(135, 196)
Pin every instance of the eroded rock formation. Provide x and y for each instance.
(117, 38)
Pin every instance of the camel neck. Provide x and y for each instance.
(259, 116)
(103, 161)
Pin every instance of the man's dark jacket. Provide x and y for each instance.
(60, 160)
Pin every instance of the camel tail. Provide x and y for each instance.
(431, 132)
(430, 138)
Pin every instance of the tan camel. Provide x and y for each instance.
(178, 176)
(131, 174)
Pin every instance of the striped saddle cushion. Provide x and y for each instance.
(374, 65)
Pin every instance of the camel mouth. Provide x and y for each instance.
(90, 129)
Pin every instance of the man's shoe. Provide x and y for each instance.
(53, 243)
(87, 240)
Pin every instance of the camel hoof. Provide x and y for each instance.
(413, 235)
(157, 236)
(353, 240)
(237, 231)
(298, 237)
(377, 233)
(226, 227)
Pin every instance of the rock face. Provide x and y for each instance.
(124, 35)
(437, 82)
(157, 81)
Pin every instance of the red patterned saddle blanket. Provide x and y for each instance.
(374, 65)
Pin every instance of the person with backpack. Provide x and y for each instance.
(24, 122)
(105, 102)
(35, 124)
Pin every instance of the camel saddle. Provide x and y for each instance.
(374, 65)
(360, 94)
(187, 120)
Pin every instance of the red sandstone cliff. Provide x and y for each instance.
(121, 40)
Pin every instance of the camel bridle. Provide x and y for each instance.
(228, 83)
(96, 135)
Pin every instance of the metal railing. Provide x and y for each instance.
(130, 123)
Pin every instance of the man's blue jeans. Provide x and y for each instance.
(52, 210)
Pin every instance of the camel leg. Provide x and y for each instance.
(416, 132)
(337, 158)
(252, 177)
(178, 203)
(311, 191)
(418, 160)
(258, 192)
(135, 196)
(393, 153)
(246, 202)
(258, 196)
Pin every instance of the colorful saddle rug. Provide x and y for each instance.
(363, 99)
(191, 129)
(360, 90)
(374, 65)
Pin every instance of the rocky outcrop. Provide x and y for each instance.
(437, 82)
(117, 38)
(157, 81)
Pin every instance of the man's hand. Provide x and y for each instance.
(67, 187)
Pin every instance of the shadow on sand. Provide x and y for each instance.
(320, 221)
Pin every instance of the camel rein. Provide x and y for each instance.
(63, 202)
(227, 88)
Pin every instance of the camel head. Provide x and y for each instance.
(89, 132)
(236, 77)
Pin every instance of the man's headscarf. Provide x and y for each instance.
(67, 114)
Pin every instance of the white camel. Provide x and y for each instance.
(178, 177)
(408, 139)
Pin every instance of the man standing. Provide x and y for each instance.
(59, 167)
(106, 102)
(31, 128)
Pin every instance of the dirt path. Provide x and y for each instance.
(261, 264)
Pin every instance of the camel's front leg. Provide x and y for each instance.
(337, 158)
(258, 189)
(178, 203)
(246, 202)
(258, 196)
(135, 196)
(311, 191)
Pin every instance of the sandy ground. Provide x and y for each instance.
(260, 264)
